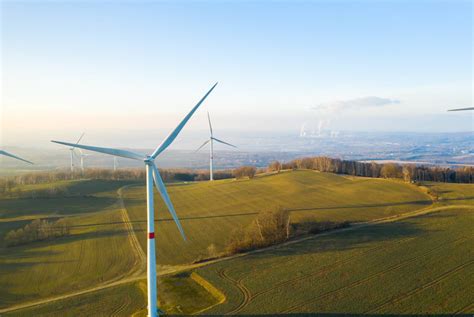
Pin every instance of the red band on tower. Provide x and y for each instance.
(151, 235)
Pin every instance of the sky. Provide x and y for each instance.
(120, 68)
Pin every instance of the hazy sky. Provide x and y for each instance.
(111, 67)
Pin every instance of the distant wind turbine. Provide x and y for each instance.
(115, 163)
(82, 155)
(71, 149)
(211, 148)
(462, 109)
(14, 156)
(152, 176)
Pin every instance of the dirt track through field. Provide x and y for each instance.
(375, 275)
(140, 256)
(433, 282)
(246, 295)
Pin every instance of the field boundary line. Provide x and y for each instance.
(215, 292)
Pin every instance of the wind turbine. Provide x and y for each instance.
(14, 156)
(82, 155)
(211, 147)
(152, 176)
(115, 163)
(71, 149)
(462, 109)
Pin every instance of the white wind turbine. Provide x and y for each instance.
(14, 156)
(82, 155)
(152, 175)
(115, 163)
(211, 148)
(71, 149)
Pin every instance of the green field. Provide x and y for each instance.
(420, 265)
(333, 273)
(97, 250)
(209, 212)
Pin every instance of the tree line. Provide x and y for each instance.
(407, 172)
(37, 230)
(8, 184)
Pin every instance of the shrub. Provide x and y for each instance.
(268, 228)
(274, 166)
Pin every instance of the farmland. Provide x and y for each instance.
(210, 212)
(420, 265)
(99, 267)
(81, 260)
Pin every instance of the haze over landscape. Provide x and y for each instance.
(118, 68)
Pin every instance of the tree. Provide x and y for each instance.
(274, 166)
(389, 170)
(245, 171)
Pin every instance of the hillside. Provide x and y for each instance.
(420, 265)
(101, 249)
(210, 211)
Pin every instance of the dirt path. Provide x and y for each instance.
(168, 270)
(140, 256)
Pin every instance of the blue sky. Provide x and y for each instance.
(108, 66)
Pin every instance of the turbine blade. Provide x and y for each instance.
(209, 119)
(202, 145)
(180, 126)
(220, 141)
(105, 150)
(462, 109)
(160, 186)
(80, 138)
(14, 156)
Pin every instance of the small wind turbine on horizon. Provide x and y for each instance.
(72, 153)
(211, 147)
(82, 155)
(152, 176)
(5, 153)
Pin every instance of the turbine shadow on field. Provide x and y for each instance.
(250, 213)
(60, 206)
(402, 203)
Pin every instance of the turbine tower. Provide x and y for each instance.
(82, 155)
(14, 156)
(115, 163)
(152, 176)
(71, 149)
(211, 148)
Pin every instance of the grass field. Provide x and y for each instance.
(421, 265)
(210, 212)
(334, 273)
(128, 299)
(123, 300)
(91, 255)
